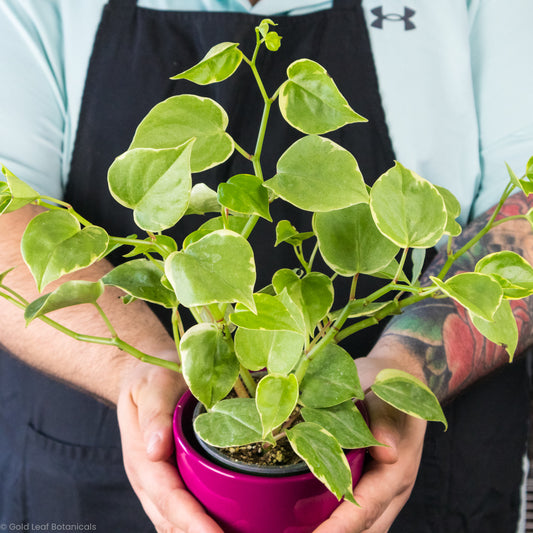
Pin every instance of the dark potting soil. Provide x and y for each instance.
(257, 454)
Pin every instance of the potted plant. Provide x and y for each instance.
(264, 362)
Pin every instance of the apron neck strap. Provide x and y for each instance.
(121, 3)
(346, 4)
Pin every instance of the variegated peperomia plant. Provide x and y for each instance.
(289, 328)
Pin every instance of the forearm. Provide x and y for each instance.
(443, 346)
(98, 369)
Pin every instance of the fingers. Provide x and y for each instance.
(145, 410)
(386, 425)
(389, 476)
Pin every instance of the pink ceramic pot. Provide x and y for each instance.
(244, 503)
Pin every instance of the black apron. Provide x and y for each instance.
(60, 455)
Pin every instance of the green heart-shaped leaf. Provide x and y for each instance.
(16, 193)
(264, 26)
(479, 293)
(203, 200)
(272, 41)
(220, 62)
(218, 268)
(141, 278)
(235, 224)
(345, 422)
(453, 210)
(232, 422)
(408, 209)
(54, 244)
(156, 184)
(311, 102)
(502, 329)
(418, 257)
(286, 232)
(271, 314)
(331, 379)
(276, 398)
(350, 242)
(511, 267)
(526, 186)
(245, 193)
(313, 294)
(210, 368)
(181, 118)
(66, 295)
(408, 394)
(161, 244)
(279, 351)
(304, 176)
(324, 456)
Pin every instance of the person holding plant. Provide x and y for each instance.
(77, 110)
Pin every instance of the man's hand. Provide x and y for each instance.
(390, 472)
(145, 408)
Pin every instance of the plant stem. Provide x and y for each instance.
(379, 293)
(248, 381)
(300, 255)
(313, 255)
(240, 389)
(242, 151)
(401, 265)
(55, 204)
(353, 287)
(224, 213)
(488, 226)
(258, 80)
(52, 203)
(389, 309)
(145, 358)
(106, 320)
(15, 294)
(177, 328)
(155, 262)
(216, 313)
(276, 94)
(328, 337)
(108, 341)
(507, 219)
(261, 137)
(127, 241)
(249, 226)
(256, 158)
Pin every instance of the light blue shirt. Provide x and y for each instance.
(456, 88)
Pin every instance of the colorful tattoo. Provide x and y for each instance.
(452, 351)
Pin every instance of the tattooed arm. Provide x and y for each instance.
(435, 341)
(438, 333)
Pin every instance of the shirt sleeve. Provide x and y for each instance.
(501, 49)
(33, 103)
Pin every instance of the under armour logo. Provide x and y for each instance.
(408, 14)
